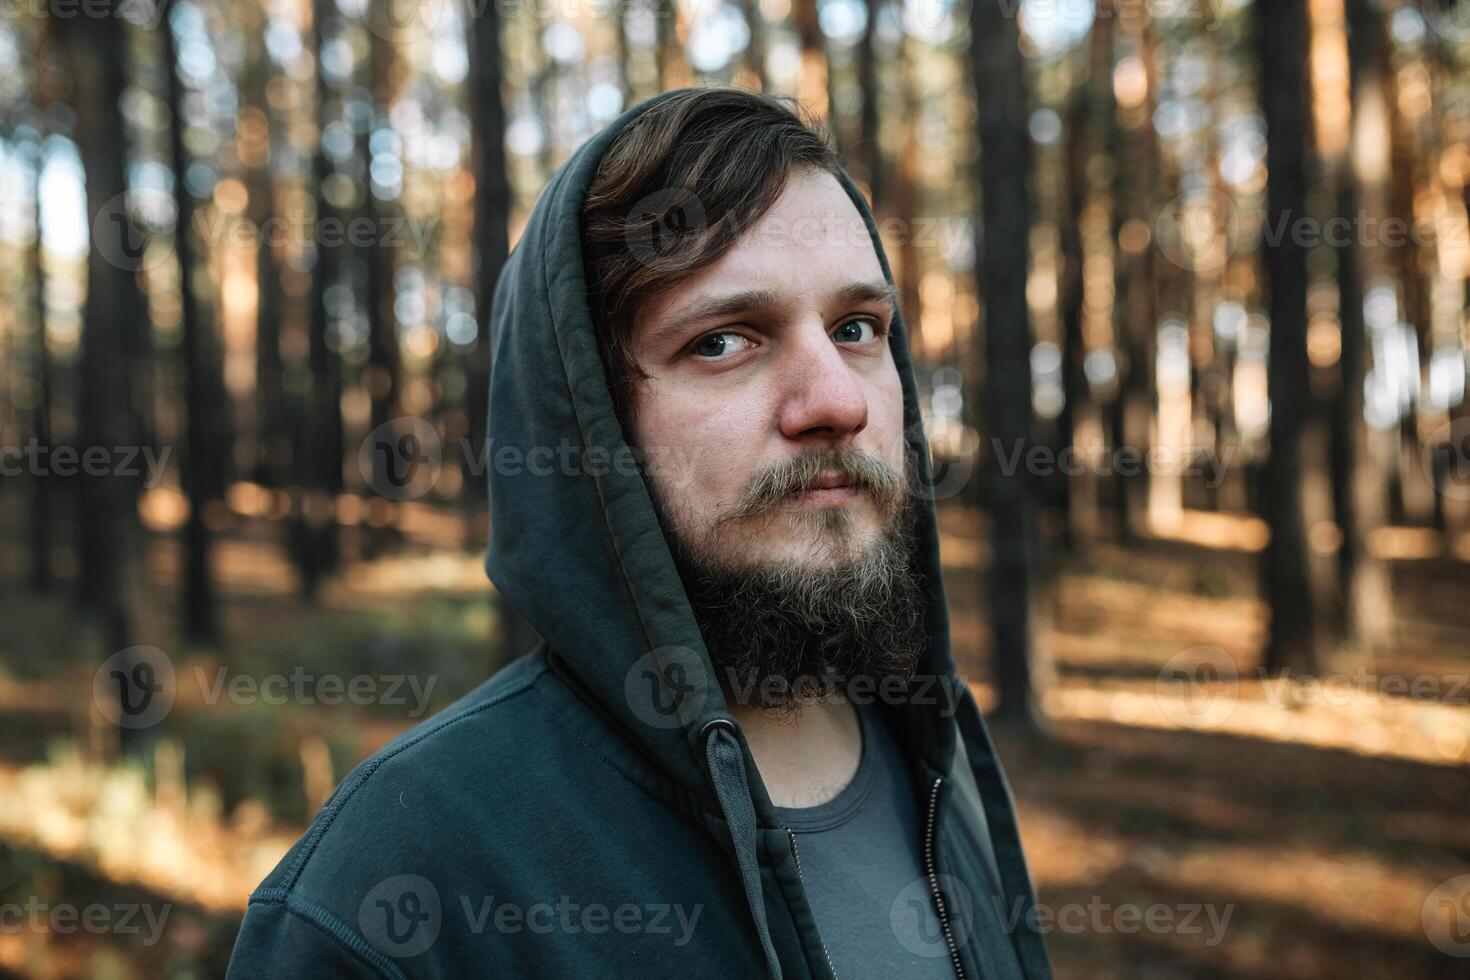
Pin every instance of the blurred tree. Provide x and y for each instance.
(541, 87)
(1407, 91)
(754, 56)
(204, 460)
(1005, 221)
(1089, 115)
(870, 156)
(491, 230)
(1291, 641)
(1357, 483)
(108, 416)
(621, 47)
(673, 67)
(385, 363)
(1137, 266)
(257, 149)
(320, 438)
(903, 203)
(491, 249)
(42, 570)
(812, 83)
(106, 513)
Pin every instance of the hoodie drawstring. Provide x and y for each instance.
(727, 773)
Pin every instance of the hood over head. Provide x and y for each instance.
(576, 545)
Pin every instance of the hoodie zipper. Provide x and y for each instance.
(931, 867)
(820, 942)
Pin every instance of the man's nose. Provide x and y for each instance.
(822, 399)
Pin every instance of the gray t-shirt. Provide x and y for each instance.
(862, 863)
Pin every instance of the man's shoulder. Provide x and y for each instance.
(493, 769)
(517, 787)
(444, 756)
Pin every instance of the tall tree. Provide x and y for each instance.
(320, 446)
(1091, 109)
(1005, 222)
(385, 365)
(257, 154)
(107, 417)
(1356, 481)
(812, 85)
(871, 152)
(492, 248)
(491, 229)
(42, 571)
(1291, 638)
(673, 66)
(203, 460)
(903, 200)
(754, 57)
(1139, 268)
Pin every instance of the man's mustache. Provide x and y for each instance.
(799, 474)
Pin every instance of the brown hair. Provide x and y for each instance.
(672, 194)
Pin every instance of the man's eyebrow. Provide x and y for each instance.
(714, 307)
(867, 291)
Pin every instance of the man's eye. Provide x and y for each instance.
(716, 345)
(857, 331)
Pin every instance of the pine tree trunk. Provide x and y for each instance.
(42, 572)
(1291, 641)
(319, 452)
(1005, 221)
(201, 461)
(107, 518)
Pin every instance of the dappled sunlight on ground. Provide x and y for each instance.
(1311, 819)
(171, 838)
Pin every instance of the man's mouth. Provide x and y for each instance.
(830, 488)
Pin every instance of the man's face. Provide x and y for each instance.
(772, 384)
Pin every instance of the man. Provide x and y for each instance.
(742, 749)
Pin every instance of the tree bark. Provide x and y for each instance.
(1005, 220)
(1357, 485)
(319, 452)
(107, 417)
(273, 430)
(869, 123)
(1291, 641)
(202, 461)
(42, 572)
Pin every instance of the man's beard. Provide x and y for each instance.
(782, 634)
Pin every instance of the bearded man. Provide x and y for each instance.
(742, 749)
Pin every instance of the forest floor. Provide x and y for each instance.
(1183, 816)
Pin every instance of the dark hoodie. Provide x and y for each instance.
(593, 810)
